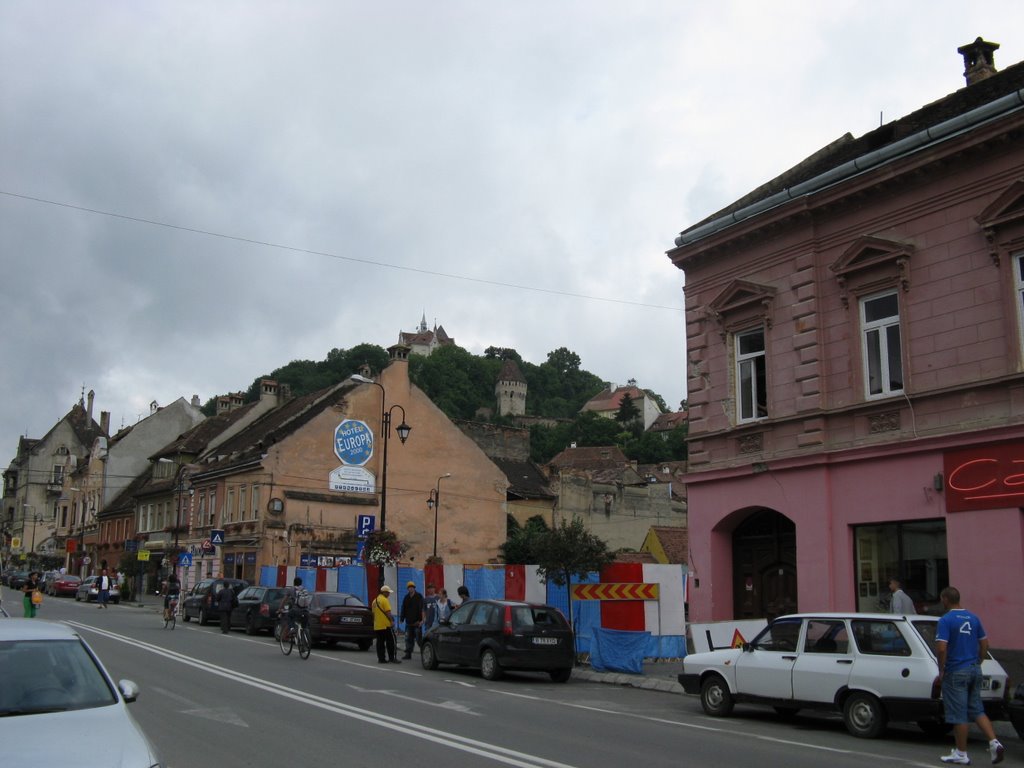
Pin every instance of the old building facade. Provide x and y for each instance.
(855, 335)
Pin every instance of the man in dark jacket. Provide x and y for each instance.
(412, 615)
(226, 601)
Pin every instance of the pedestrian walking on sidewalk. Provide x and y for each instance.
(961, 645)
(104, 585)
(226, 602)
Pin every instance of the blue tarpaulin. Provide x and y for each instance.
(484, 583)
(586, 614)
(352, 579)
(614, 650)
(268, 576)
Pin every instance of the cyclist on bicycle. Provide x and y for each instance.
(172, 590)
(295, 607)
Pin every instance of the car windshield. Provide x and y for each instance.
(50, 676)
(331, 600)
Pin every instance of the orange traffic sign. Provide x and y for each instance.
(615, 592)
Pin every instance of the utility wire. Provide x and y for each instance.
(328, 254)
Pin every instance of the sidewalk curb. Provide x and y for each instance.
(663, 684)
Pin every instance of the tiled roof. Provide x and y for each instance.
(607, 400)
(666, 422)
(525, 478)
(196, 439)
(250, 444)
(674, 541)
(124, 502)
(510, 371)
(848, 148)
(590, 458)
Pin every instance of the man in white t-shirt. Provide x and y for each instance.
(901, 602)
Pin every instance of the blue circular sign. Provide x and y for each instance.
(353, 442)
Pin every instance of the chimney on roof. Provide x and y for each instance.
(269, 390)
(88, 409)
(105, 422)
(195, 401)
(979, 60)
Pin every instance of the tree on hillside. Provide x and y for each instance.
(628, 413)
(502, 353)
(569, 550)
(521, 541)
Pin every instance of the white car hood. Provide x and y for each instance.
(102, 737)
(724, 657)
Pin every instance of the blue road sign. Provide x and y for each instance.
(185, 559)
(365, 525)
(217, 537)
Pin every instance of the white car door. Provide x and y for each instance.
(765, 668)
(825, 661)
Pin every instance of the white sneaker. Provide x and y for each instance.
(956, 756)
(996, 750)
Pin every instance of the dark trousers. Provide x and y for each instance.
(225, 621)
(386, 642)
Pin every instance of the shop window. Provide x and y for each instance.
(914, 552)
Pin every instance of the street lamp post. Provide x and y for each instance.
(434, 502)
(403, 431)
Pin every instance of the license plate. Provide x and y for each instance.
(351, 620)
(545, 641)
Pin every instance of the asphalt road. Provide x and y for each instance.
(214, 700)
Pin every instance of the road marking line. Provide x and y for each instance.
(452, 740)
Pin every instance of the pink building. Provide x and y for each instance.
(855, 336)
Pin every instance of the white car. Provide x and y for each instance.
(57, 701)
(871, 667)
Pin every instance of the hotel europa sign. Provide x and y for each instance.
(353, 445)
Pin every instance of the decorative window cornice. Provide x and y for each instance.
(741, 303)
(1005, 213)
(872, 263)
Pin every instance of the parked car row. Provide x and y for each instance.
(490, 635)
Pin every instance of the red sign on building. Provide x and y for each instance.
(991, 477)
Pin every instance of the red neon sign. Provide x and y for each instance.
(985, 478)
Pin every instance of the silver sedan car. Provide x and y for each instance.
(55, 695)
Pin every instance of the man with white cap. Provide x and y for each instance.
(383, 627)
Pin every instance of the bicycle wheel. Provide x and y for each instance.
(304, 642)
(286, 641)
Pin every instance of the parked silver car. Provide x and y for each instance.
(55, 696)
(89, 590)
(872, 668)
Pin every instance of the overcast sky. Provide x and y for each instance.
(195, 193)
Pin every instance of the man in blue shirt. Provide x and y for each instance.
(961, 644)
